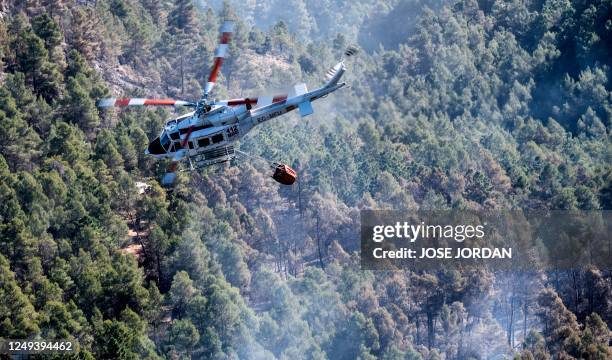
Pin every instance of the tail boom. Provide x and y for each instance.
(302, 102)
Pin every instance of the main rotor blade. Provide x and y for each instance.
(226, 34)
(110, 102)
(253, 101)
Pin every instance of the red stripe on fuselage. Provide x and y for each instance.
(184, 142)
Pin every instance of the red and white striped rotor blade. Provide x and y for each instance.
(121, 102)
(226, 34)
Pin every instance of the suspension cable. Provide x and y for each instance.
(272, 164)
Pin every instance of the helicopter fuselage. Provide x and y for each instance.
(222, 125)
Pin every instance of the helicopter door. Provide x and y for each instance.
(165, 142)
(176, 146)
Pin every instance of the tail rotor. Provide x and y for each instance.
(334, 73)
(351, 51)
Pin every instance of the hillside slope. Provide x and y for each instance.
(481, 105)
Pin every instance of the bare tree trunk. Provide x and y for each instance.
(279, 256)
(286, 263)
(418, 330)
(136, 225)
(182, 77)
(159, 270)
(319, 243)
(431, 332)
(302, 232)
(460, 347)
(525, 309)
(575, 290)
(301, 214)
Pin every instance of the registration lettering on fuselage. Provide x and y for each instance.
(270, 116)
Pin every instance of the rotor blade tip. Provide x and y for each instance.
(108, 102)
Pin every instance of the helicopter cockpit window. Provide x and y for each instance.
(164, 141)
(174, 135)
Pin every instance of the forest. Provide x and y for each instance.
(458, 104)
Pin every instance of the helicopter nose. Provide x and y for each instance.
(155, 148)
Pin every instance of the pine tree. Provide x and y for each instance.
(156, 9)
(48, 30)
(25, 100)
(56, 8)
(115, 340)
(182, 337)
(78, 107)
(18, 319)
(559, 324)
(128, 151)
(84, 34)
(119, 8)
(31, 58)
(68, 142)
(153, 309)
(181, 293)
(182, 19)
(595, 340)
(19, 143)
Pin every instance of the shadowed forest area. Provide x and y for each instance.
(462, 104)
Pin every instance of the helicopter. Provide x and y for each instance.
(207, 135)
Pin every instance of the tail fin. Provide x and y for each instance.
(305, 107)
(299, 89)
(334, 74)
